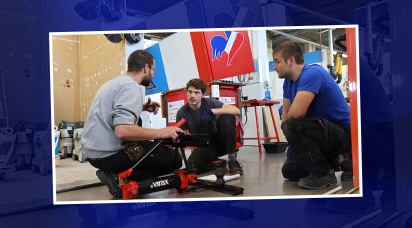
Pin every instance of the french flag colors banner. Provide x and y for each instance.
(160, 76)
(228, 54)
(175, 62)
(209, 56)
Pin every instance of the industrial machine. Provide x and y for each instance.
(42, 158)
(23, 151)
(77, 153)
(183, 179)
(7, 141)
(66, 138)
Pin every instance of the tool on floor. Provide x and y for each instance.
(181, 179)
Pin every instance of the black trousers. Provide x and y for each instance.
(161, 161)
(316, 143)
(221, 143)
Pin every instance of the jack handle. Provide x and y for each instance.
(128, 172)
(181, 122)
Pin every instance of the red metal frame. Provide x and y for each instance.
(353, 100)
(255, 104)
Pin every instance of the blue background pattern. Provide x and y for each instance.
(24, 60)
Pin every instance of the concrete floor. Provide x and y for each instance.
(262, 179)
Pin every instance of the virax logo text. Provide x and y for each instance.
(159, 183)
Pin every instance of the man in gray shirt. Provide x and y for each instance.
(113, 141)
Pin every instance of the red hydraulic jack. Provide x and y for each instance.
(181, 179)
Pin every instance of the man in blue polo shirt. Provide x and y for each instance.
(315, 118)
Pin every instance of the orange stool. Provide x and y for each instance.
(255, 103)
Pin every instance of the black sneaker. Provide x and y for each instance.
(315, 182)
(347, 176)
(235, 168)
(219, 163)
(111, 182)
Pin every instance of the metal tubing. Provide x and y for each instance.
(330, 48)
(352, 190)
(295, 38)
(333, 190)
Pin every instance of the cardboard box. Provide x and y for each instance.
(57, 161)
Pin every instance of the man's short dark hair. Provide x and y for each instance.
(138, 59)
(288, 49)
(197, 84)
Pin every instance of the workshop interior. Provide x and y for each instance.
(82, 62)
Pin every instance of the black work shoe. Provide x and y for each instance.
(111, 182)
(235, 168)
(315, 182)
(347, 176)
(219, 163)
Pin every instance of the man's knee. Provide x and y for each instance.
(290, 123)
(289, 126)
(226, 120)
(200, 164)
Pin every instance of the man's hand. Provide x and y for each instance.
(170, 132)
(151, 106)
(206, 116)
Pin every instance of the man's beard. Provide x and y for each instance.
(146, 81)
(284, 75)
